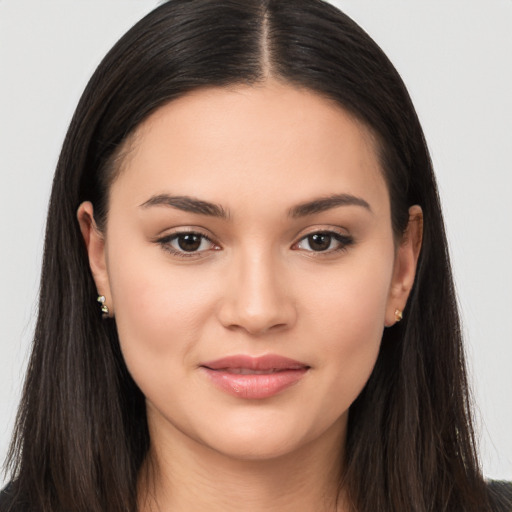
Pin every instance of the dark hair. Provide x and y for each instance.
(81, 433)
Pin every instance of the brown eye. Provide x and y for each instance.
(325, 241)
(189, 242)
(319, 241)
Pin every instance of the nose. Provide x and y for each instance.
(257, 297)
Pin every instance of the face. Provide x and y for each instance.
(250, 264)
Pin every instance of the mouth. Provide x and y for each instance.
(254, 378)
(247, 371)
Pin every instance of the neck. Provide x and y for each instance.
(181, 474)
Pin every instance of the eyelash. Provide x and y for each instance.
(344, 241)
(165, 243)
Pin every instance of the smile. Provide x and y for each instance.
(247, 371)
(254, 378)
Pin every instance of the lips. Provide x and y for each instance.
(254, 377)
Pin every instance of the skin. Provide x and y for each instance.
(261, 286)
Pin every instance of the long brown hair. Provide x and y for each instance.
(81, 432)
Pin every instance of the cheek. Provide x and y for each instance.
(349, 315)
(160, 312)
(351, 300)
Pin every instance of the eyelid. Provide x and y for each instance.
(324, 229)
(165, 240)
(344, 239)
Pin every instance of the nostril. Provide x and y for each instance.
(256, 323)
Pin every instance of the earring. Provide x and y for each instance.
(104, 308)
(398, 315)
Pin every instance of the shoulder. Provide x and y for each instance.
(9, 502)
(6, 498)
(500, 495)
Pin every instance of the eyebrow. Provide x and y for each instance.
(193, 205)
(187, 204)
(327, 203)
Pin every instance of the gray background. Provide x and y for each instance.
(455, 57)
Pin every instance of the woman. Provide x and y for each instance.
(237, 303)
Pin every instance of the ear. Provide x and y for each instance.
(95, 245)
(404, 270)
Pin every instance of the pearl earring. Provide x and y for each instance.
(104, 308)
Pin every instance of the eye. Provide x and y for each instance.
(325, 241)
(187, 244)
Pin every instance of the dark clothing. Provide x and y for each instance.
(8, 502)
(500, 494)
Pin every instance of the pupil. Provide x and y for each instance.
(189, 242)
(319, 241)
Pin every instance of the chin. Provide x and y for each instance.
(260, 438)
(256, 447)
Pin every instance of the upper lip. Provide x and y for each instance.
(259, 363)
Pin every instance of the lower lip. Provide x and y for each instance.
(255, 386)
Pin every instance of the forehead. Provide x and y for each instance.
(244, 142)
